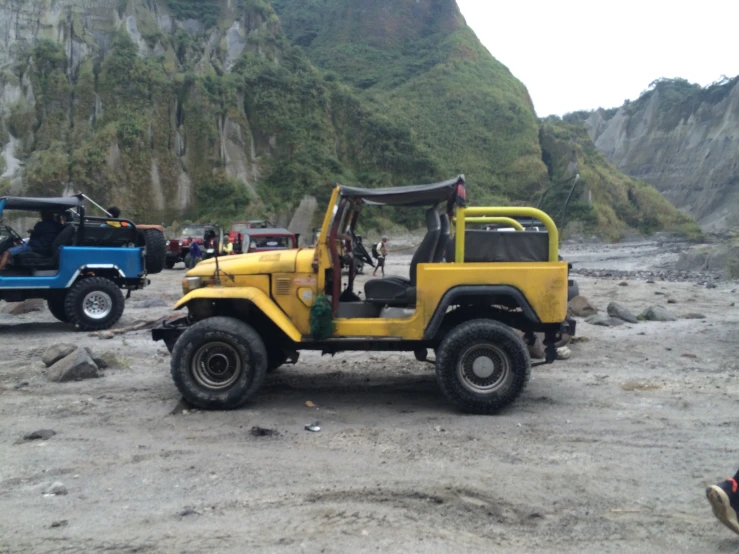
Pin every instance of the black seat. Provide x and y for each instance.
(398, 291)
(34, 260)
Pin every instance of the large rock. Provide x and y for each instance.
(657, 313)
(76, 366)
(604, 320)
(621, 312)
(25, 307)
(56, 352)
(581, 307)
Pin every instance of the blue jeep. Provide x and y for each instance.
(92, 260)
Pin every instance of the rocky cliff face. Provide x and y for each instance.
(207, 109)
(684, 140)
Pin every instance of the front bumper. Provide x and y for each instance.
(170, 331)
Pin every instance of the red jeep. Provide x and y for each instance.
(178, 249)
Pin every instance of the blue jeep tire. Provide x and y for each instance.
(94, 304)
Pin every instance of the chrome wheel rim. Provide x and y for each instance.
(97, 305)
(216, 365)
(484, 368)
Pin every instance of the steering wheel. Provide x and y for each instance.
(360, 251)
(15, 236)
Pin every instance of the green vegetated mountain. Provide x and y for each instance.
(216, 109)
(683, 139)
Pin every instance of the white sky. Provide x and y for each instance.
(581, 55)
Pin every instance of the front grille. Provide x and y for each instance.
(282, 287)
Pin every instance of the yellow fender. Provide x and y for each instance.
(253, 295)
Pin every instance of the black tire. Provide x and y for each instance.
(57, 309)
(213, 341)
(156, 250)
(169, 263)
(91, 311)
(188, 262)
(501, 352)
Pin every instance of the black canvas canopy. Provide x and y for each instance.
(59, 204)
(414, 195)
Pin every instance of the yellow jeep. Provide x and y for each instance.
(466, 297)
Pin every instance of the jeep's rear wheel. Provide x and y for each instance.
(482, 366)
(94, 304)
(56, 307)
(219, 363)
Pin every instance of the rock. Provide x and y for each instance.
(659, 293)
(732, 304)
(671, 301)
(188, 512)
(41, 434)
(693, 315)
(581, 307)
(75, 367)
(711, 285)
(257, 431)
(25, 307)
(657, 313)
(623, 284)
(105, 335)
(621, 312)
(650, 282)
(604, 320)
(107, 360)
(59, 523)
(56, 489)
(564, 353)
(56, 352)
(150, 303)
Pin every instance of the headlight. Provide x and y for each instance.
(180, 243)
(167, 243)
(190, 284)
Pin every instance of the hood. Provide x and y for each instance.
(276, 261)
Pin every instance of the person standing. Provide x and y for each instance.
(228, 247)
(381, 249)
(195, 254)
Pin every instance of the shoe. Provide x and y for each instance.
(724, 499)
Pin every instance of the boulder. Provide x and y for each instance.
(657, 313)
(604, 320)
(581, 307)
(25, 307)
(76, 366)
(56, 352)
(693, 315)
(621, 312)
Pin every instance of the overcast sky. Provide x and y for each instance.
(577, 54)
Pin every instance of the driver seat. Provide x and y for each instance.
(34, 260)
(398, 291)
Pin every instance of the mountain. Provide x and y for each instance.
(684, 140)
(216, 109)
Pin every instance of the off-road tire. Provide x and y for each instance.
(506, 352)
(89, 313)
(169, 263)
(229, 338)
(156, 250)
(56, 307)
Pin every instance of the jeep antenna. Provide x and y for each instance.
(567, 202)
(218, 269)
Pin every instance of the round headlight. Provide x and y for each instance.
(180, 243)
(167, 243)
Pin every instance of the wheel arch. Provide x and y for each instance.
(247, 304)
(481, 298)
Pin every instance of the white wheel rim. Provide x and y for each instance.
(97, 305)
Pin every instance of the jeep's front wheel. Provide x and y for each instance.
(94, 304)
(219, 363)
(169, 263)
(482, 366)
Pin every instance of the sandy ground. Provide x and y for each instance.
(609, 451)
